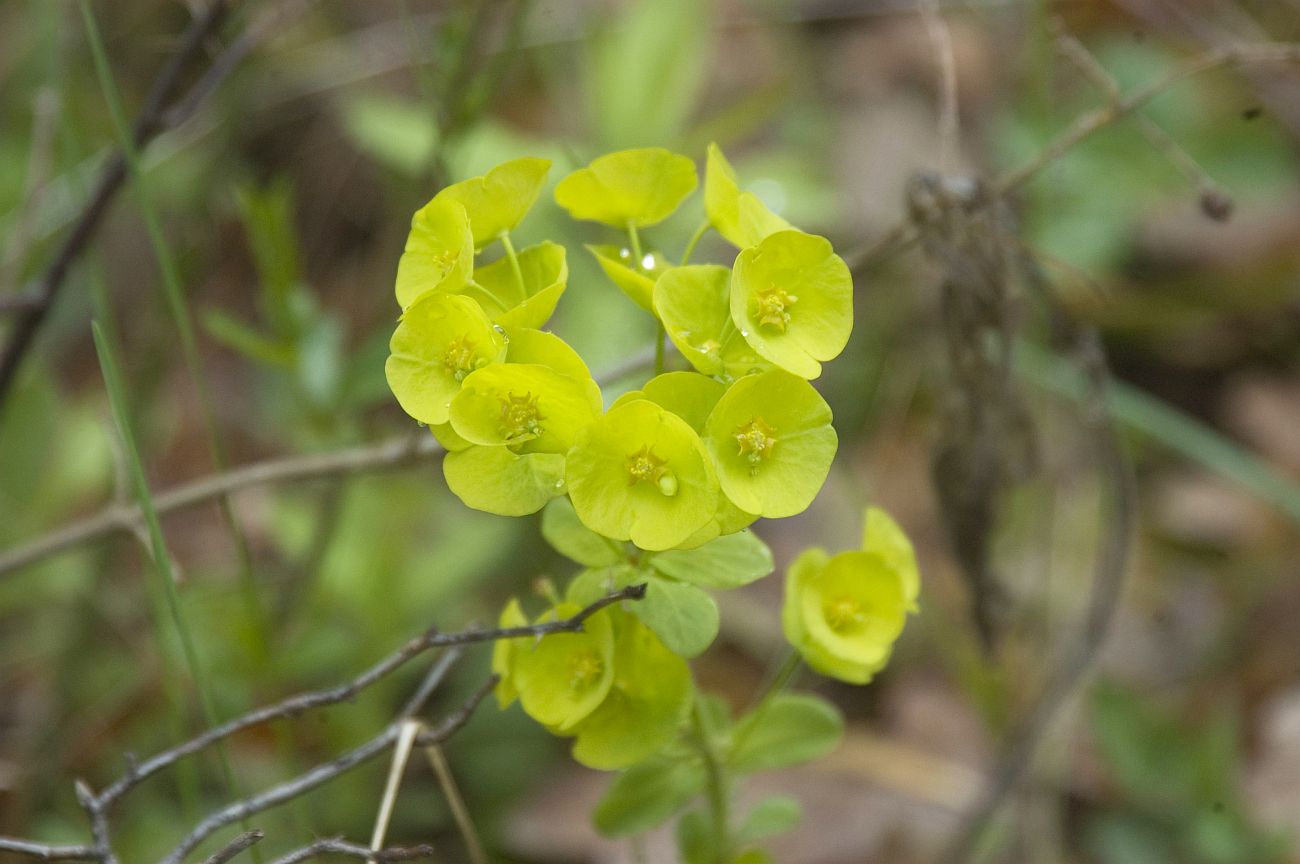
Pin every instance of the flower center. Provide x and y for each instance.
(520, 417)
(773, 307)
(445, 261)
(585, 670)
(460, 358)
(756, 440)
(645, 466)
(844, 614)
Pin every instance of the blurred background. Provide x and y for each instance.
(283, 200)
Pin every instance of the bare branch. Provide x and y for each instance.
(234, 847)
(316, 776)
(296, 705)
(48, 852)
(903, 235)
(339, 846)
(393, 453)
(152, 120)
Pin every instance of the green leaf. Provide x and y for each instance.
(567, 535)
(496, 480)
(499, 200)
(789, 729)
(595, 582)
(633, 278)
(727, 562)
(695, 839)
(397, 133)
(244, 340)
(647, 794)
(629, 187)
(544, 273)
(771, 817)
(682, 616)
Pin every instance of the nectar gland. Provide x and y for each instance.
(520, 417)
(461, 358)
(645, 466)
(755, 440)
(773, 307)
(845, 614)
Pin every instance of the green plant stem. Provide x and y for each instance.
(634, 240)
(693, 242)
(777, 681)
(171, 280)
(716, 786)
(660, 360)
(514, 264)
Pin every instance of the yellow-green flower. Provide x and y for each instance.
(693, 302)
(640, 473)
(792, 298)
(561, 678)
(499, 200)
(503, 654)
(636, 279)
(526, 299)
(439, 253)
(772, 443)
(637, 187)
(438, 343)
(844, 613)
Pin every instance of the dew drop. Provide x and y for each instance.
(648, 262)
(744, 333)
(625, 253)
(559, 484)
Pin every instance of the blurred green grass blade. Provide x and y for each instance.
(1154, 418)
(180, 314)
(158, 546)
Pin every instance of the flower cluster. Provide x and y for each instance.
(691, 455)
(597, 685)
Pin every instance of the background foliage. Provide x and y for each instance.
(283, 204)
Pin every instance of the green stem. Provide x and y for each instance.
(634, 239)
(715, 786)
(659, 349)
(693, 242)
(777, 682)
(514, 265)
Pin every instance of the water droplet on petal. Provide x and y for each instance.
(648, 262)
(744, 333)
(625, 253)
(559, 484)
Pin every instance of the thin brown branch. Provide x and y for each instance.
(903, 235)
(235, 847)
(339, 846)
(118, 518)
(317, 776)
(151, 121)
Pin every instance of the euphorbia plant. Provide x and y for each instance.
(657, 487)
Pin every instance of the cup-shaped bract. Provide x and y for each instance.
(738, 216)
(640, 473)
(772, 443)
(646, 704)
(563, 677)
(438, 342)
(694, 304)
(792, 298)
(527, 299)
(499, 200)
(501, 481)
(843, 613)
(689, 395)
(542, 348)
(628, 187)
(636, 279)
(527, 407)
(439, 254)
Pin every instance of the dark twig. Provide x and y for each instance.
(317, 776)
(339, 846)
(234, 847)
(152, 120)
(48, 852)
(296, 705)
(1108, 581)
